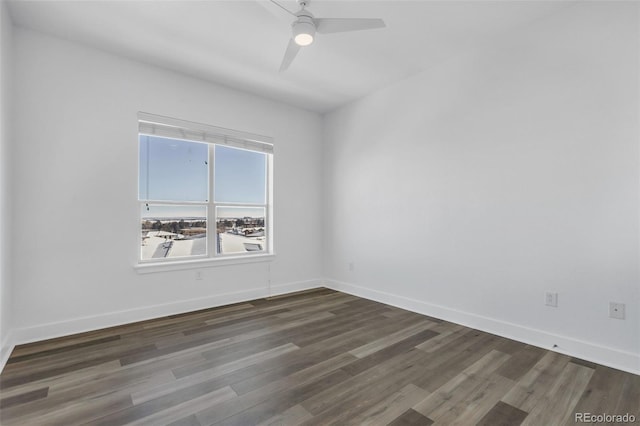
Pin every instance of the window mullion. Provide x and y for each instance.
(268, 211)
(232, 204)
(212, 236)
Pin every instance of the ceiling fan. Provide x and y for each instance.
(305, 26)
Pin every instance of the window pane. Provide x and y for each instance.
(240, 230)
(240, 176)
(173, 169)
(173, 231)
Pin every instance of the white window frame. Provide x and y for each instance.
(160, 126)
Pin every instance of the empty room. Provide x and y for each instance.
(285, 212)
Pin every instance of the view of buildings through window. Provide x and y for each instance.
(184, 186)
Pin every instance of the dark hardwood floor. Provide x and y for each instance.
(316, 358)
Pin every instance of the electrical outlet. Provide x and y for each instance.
(352, 267)
(198, 275)
(616, 310)
(551, 299)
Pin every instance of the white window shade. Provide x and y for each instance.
(156, 125)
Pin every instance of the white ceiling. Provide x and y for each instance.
(240, 43)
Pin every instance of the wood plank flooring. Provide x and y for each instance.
(316, 358)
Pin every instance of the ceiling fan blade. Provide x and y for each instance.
(289, 55)
(339, 25)
(277, 10)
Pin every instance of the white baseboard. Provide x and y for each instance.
(626, 361)
(278, 289)
(90, 323)
(622, 360)
(6, 347)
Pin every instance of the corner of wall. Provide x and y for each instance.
(6, 347)
(6, 106)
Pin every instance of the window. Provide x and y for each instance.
(194, 176)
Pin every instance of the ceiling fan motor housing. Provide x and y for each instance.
(304, 29)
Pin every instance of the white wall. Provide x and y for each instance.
(75, 159)
(6, 65)
(465, 192)
(469, 190)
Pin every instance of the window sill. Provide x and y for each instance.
(181, 265)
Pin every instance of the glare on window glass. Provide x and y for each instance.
(173, 170)
(240, 175)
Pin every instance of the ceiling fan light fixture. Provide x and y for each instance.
(305, 26)
(303, 32)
